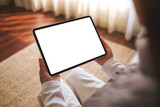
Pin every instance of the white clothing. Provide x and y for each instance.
(78, 86)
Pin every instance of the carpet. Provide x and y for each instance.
(19, 75)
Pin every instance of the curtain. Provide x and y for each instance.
(115, 15)
(4, 2)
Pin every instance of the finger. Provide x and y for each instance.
(58, 75)
(42, 65)
(43, 73)
(43, 70)
(104, 43)
(39, 61)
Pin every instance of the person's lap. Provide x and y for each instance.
(79, 85)
(69, 96)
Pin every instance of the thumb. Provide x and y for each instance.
(42, 65)
(43, 70)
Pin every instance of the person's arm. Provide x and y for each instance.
(108, 62)
(111, 66)
(51, 93)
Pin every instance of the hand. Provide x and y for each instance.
(109, 55)
(44, 76)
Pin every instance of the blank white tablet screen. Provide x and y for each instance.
(69, 44)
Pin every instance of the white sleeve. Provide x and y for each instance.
(111, 66)
(51, 95)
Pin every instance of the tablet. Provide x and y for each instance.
(68, 44)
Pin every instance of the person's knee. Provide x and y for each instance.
(74, 74)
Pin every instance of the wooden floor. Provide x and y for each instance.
(16, 25)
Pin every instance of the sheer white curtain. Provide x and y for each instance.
(115, 15)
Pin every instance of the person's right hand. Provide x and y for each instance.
(109, 55)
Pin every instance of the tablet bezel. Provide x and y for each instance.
(63, 23)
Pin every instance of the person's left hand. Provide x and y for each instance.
(44, 76)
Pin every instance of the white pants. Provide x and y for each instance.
(78, 86)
